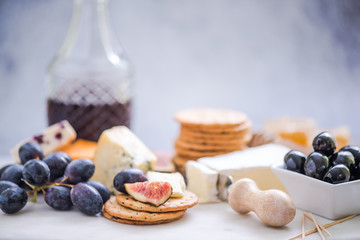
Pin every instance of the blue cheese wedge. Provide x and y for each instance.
(52, 138)
(175, 179)
(117, 149)
(202, 180)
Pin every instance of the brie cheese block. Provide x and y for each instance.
(202, 180)
(117, 149)
(254, 163)
(175, 179)
(51, 139)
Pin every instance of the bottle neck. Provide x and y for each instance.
(90, 35)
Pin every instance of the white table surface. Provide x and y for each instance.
(210, 221)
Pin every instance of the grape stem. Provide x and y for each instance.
(64, 179)
(64, 184)
(27, 183)
(35, 189)
(61, 183)
(34, 192)
(34, 198)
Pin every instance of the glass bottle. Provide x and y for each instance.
(89, 81)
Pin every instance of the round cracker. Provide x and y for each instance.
(193, 156)
(180, 169)
(210, 117)
(212, 136)
(189, 153)
(209, 141)
(205, 147)
(180, 162)
(135, 222)
(219, 130)
(173, 204)
(116, 210)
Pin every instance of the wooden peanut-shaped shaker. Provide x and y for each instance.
(274, 207)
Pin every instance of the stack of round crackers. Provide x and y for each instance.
(125, 209)
(209, 132)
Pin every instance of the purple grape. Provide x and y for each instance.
(6, 184)
(129, 175)
(13, 174)
(101, 188)
(80, 170)
(57, 164)
(58, 197)
(3, 169)
(86, 198)
(64, 155)
(30, 150)
(36, 172)
(13, 200)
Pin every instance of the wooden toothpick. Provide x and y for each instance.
(324, 226)
(303, 227)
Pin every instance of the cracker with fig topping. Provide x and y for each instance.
(173, 204)
(116, 212)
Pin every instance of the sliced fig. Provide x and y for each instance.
(156, 193)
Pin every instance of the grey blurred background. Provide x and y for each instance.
(266, 58)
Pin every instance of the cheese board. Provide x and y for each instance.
(235, 186)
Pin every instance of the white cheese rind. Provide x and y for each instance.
(261, 156)
(117, 149)
(175, 179)
(202, 181)
(52, 138)
(253, 163)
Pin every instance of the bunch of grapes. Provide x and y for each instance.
(64, 182)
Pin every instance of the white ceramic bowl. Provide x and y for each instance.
(332, 201)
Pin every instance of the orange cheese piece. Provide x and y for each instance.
(80, 149)
(297, 137)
